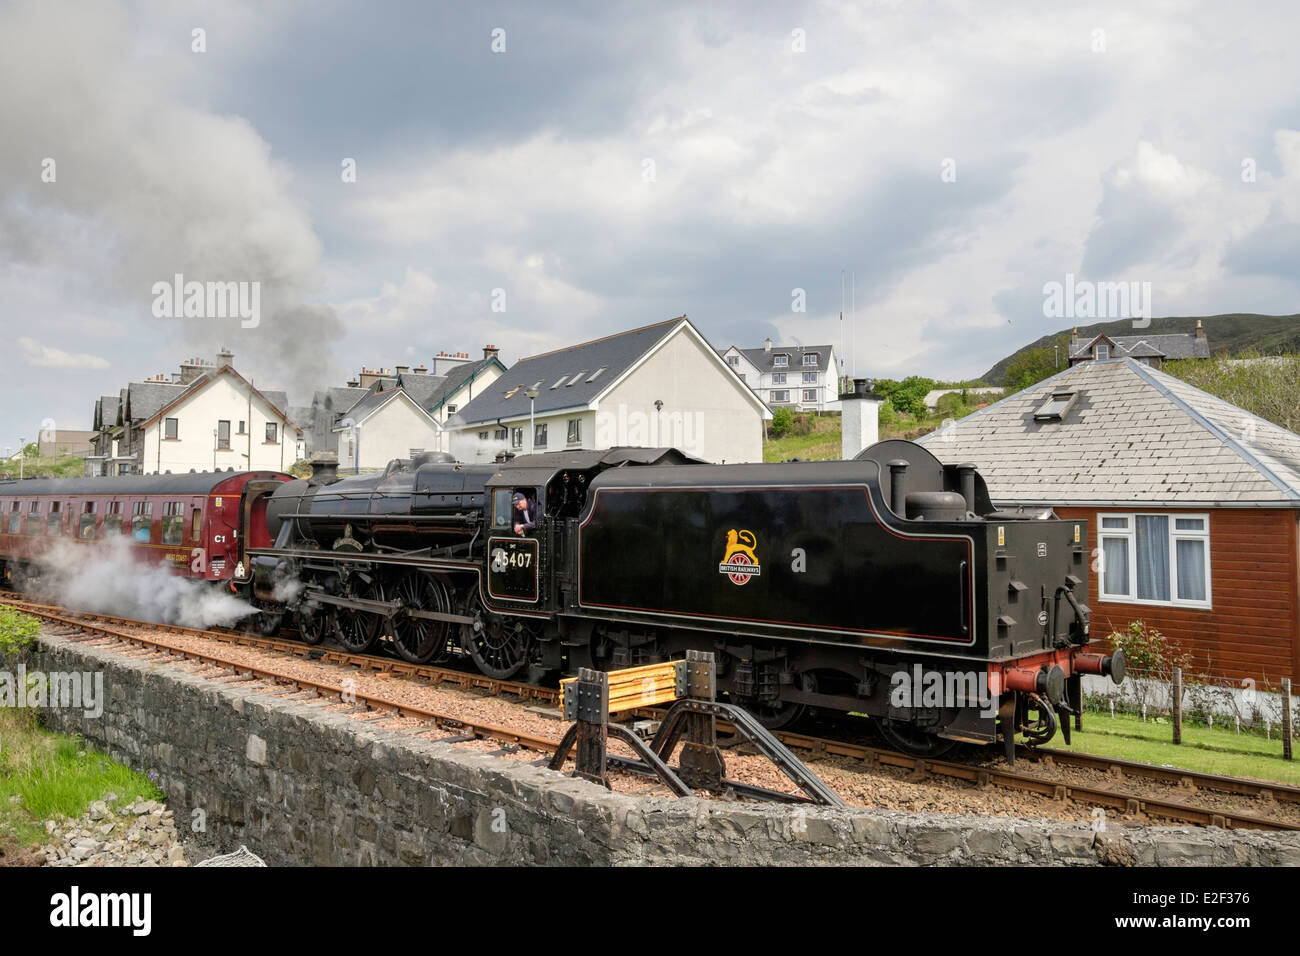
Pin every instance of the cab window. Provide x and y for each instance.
(501, 509)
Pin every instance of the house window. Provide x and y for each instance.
(516, 438)
(733, 361)
(780, 361)
(1054, 409)
(778, 378)
(223, 434)
(811, 358)
(124, 469)
(272, 433)
(170, 427)
(482, 436)
(451, 409)
(781, 396)
(810, 378)
(810, 394)
(141, 520)
(1102, 351)
(539, 436)
(1155, 559)
(575, 431)
(173, 522)
(241, 429)
(499, 434)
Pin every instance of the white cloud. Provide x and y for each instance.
(45, 356)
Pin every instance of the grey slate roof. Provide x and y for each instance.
(106, 411)
(1134, 435)
(145, 399)
(370, 404)
(456, 378)
(611, 356)
(1174, 345)
(422, 388)
(761, 359)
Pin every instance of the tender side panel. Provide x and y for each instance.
(798, 559)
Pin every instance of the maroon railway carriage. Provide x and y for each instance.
(197, 523)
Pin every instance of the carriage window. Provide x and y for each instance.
(113, 520)
(15, 518)
(141, 519)
(54, 523)
(86, 529)
(501, 508)
(197, 524)
(173, 523)
(34, 518)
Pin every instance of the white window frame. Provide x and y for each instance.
(781, 361)
(575, 431)
(1129, 535)
(815, 356)
(778, 378)
(1101, 352)
(781, 401)
(810, 394)
(810, 378)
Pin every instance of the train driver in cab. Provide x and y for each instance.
(525, 514)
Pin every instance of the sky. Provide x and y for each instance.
(400, 178)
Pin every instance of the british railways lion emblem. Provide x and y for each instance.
(740, 563)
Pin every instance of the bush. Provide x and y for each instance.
(1146, 649)
(17, 629)
(782, 420)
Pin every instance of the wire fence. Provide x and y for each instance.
(1209, 700)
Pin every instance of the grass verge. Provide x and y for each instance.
(1203, 749)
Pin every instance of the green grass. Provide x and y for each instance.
(43, 775)
(45, 466)
(1205, 750)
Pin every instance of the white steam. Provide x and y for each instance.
(111, 180)
(109, 578)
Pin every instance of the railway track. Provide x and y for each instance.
(1178, 808)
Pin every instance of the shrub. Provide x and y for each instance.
(17, 629)
(782, 420)
(1146, 649)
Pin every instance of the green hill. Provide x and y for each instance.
(1228, 334)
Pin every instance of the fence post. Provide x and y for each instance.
(1286, 718)
(1178, 705)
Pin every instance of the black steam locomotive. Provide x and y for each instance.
(887, 585)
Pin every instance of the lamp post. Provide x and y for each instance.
(659, 407)
(532, 394)
(22, 455)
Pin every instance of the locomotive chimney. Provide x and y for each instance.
(324, 468)
(898, 487)
(859, 419)
(966, 472)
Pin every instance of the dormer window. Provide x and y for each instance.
(780, 361)
(1054, 409)
(1101, 352)
(811, 358)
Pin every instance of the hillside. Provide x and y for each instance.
(1230, 334)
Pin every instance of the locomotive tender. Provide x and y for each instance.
(887, 585)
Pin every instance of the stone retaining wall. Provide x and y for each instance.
(301, 785)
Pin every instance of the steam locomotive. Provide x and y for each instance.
(887, 585)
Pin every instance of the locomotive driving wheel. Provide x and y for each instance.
(500, 646)
(358, 630)
(420, 640)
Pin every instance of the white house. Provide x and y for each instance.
(657, 386)
(382, 426)
(219, 421)
(802, 377)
